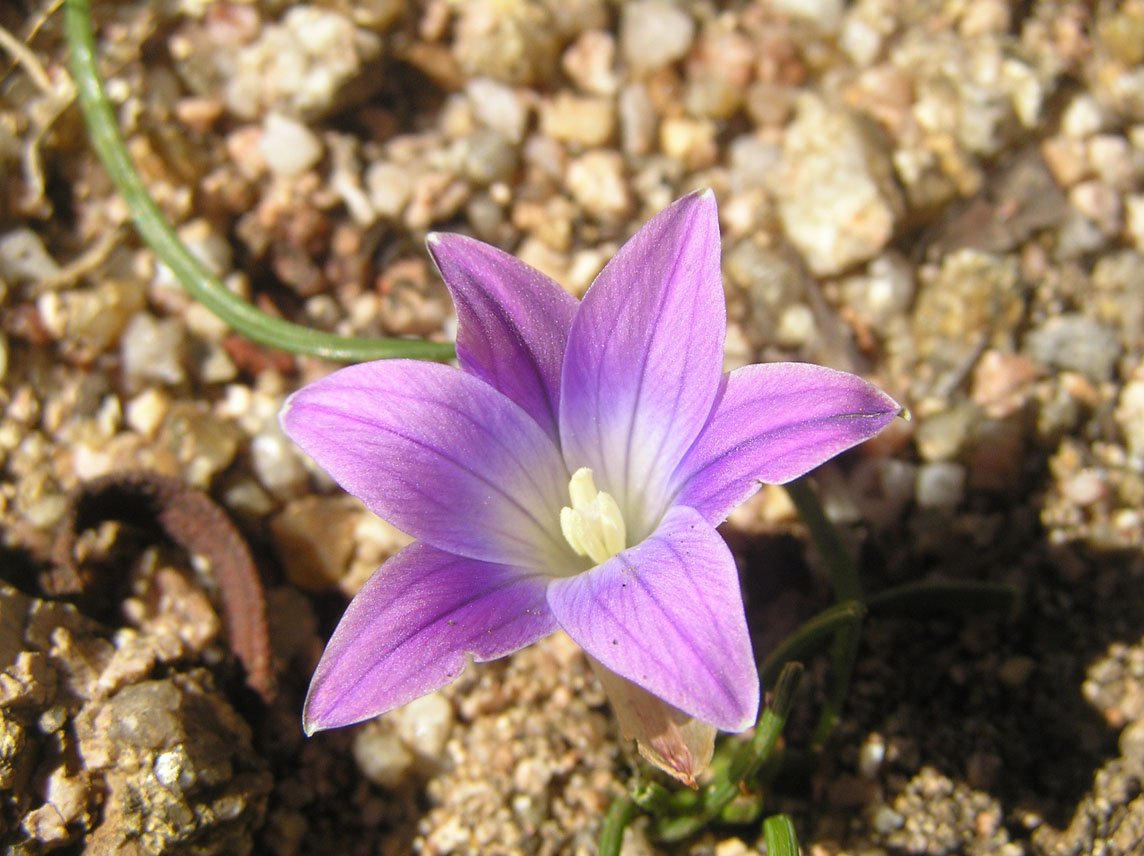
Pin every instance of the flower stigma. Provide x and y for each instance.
(593, 526)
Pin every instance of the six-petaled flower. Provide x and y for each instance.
(570, 474)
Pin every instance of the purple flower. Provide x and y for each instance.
(570, 474)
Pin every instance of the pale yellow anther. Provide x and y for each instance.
(593, 526)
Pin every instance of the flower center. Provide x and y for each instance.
(593, 526)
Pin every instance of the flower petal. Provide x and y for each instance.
(668, 616)
(441, 455)
(774, 423)
(512, 322)
(409, 629)
(644, 359)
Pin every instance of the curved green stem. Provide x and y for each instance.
(203, 286)
(827, 540)
(811, 637)
(844, 580)
(620, 814)
(929, 597)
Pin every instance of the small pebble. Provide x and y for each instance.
(654, 33)
(796, 326)
(299, 66)
(1083, 116)
(751, 159)
(425, 723)
(1134, 220)
(488, 157)
(886, 820)
(153, 350)
(885, 291)
(942, 436)
(871, 754)
(1113, 160)
(638, 120)
(582, 120)
(1076, 343)
(1085, 488)
(590, 62)
(837, 198)
(389, 188)
(290, 148)
(314, 539)
(498, 107)
(511, 42)
(691, 141)
(1100, 203)
(24, 259)
(826, 15)
(146, 411)
(940, 485)
(381, 755)
(202, 443)
(596, 181)
(1130, 416)
(277, 464)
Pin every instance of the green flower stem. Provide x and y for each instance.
(811, 637)
(203, 286)
(778, 831)
(844, 580)
(827, 540)
(944, 597)
(843, 655)
(769, 727)
(719, 794)
(620, 814)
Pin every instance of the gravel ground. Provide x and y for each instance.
(946, 196)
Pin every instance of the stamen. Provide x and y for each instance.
(593, 526)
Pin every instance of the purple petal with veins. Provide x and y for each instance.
(774, 423)
(668, 616)
(438, 453)
(409, 630)
(644, 359)
(512, 323)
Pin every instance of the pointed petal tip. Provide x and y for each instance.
(313, 722)
(287, 405)
(749, 720)
(437, 243)
(451, 240)
(433, 240)
(318, 713)
(748, 714)
(446, 247)
(326, 709)
(703, 199)
(891, 403)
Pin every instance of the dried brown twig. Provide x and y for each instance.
(193, 522)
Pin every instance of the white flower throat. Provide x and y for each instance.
(593, 526)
